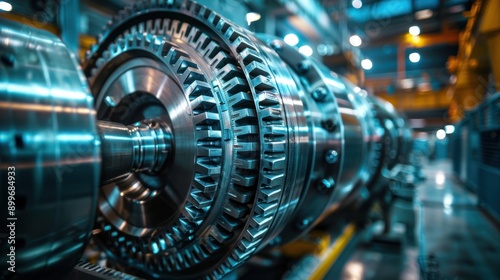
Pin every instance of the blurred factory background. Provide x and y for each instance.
(436, 61)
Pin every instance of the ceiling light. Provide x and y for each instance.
(449, 129)
(423, 14)
(415, 40)
(406, 83)
(306, 50)
(357, 4)
(414, 57)
(5, 6)
(355, 40)
(414, 30)
(251, 17)
(366, 64)
(441, 134)
(291, 39)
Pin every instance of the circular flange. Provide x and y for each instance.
(229, 117)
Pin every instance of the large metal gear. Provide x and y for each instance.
(212, 142)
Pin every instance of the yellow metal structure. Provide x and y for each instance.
(328, 258)
(314, 243)
(321, 246)
(478, 56)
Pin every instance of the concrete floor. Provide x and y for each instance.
(454, 239)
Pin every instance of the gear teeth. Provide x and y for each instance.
(240, 194)
(247, 132)
(209, 152)
(202, 103)
(271, 115)
(240, 99)
(184, 225)
(197, 88)
(241, 256)
(262, 83)
(266, 209)
(274, 131)
(250, 164)
(274, 163)
(206, 118)
(210, 50)
(248, 245)
(210, 245)
(275, 147)
(191, 75)
(200, 200)
(244, 180)
(256, 69)
(204, 165)
(245, 148)
(234, 85)
(250, 55)
(270, 194)
(274, 179)
(205, 183)
(220, 59)
(260, 222)
(219, 234)
(235, 210)
(251, 93)
(182, 64)
(243, 116)
(228, 223)
(229, 71)
(208, 135)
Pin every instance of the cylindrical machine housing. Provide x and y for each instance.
(270, 141)
(214, 142)
(49, 153)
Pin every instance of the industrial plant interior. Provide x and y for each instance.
(250, 139)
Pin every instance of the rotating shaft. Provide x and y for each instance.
(132, 148)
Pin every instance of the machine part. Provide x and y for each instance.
(50, 147)
(226, 113)
(49, 153)
(87, 271)
(213, 142)
(249, 138)
(134, 148)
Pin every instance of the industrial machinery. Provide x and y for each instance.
(185, 146)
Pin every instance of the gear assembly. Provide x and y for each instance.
(183, 146)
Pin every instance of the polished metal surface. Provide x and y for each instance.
(133, 148)
(48, 139)
(211, 143)
(265, 142)
(51, 150)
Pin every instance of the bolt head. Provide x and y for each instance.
(326, 185)
(319, 94)
(301, 225)
(331, 156)
(276, 45)
(329, 125)
(303, 66)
